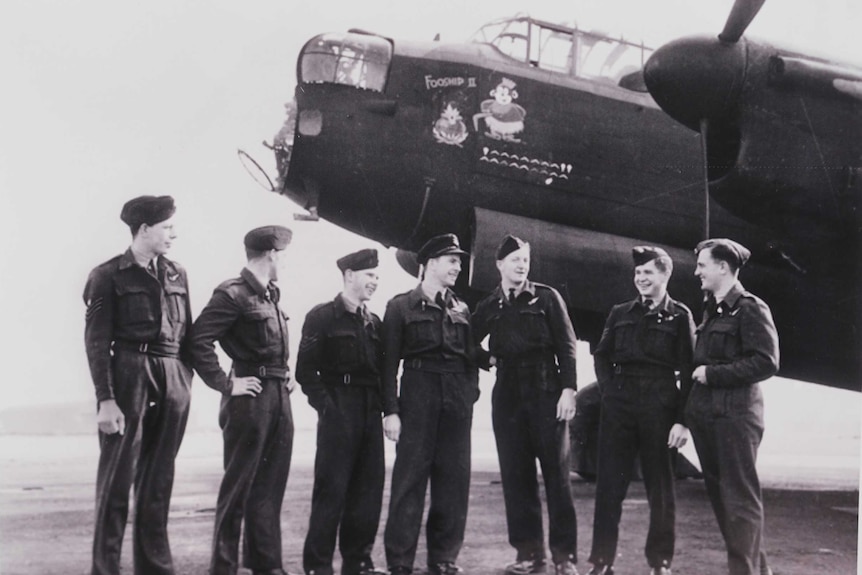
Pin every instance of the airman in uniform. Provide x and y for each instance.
(245, 317)
(338, 367)
(644, 343)
(429, 329)
(532, 344)
(736, 348)
(136, 336)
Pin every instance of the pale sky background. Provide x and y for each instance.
(103, 100)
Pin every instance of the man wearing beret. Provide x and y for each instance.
(429, 328)
(338, 367)
(136, 336)
(245, 317)
(532, 344)
(736, 348)
(644, 343)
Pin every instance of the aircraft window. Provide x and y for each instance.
(609, 59)
(358, 60)
(564, 49)
(555, 50)
(513, 39)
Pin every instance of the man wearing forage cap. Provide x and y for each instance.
(644, 343)
(136, 335)
(532, 344)
(338, 367)
(736, 347)
(245, 317)
(429, 328)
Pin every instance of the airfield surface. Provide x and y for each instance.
(47, 493)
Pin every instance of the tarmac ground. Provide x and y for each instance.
(46, 516)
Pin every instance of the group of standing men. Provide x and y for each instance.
(142, 347)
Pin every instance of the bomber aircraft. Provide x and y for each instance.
(588, 145)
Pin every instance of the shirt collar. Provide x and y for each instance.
(417, 296)
(252, 280)
(340, 307)
(529, 287)
(128, 260)
(728, 303)
(663, 305)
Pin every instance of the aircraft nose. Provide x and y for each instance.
(697, 77)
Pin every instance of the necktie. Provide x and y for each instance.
(151, 267)
(647, 304)
(439, 300)
(511, 295)
(272, 293)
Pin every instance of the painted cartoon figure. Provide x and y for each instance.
(449, 128)
(503, 117)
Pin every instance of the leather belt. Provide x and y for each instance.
(241, 369)
(157, 349)
(436, 365)
(643, 370)
(361, 380)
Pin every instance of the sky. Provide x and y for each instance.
(104, 100)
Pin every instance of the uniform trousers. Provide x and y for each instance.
(636, 417)
(524, 414)
(154, 394)
(436, 411)
(348, 481)
(258, 442)
(727, 426)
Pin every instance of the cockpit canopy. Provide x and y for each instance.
(355, 59)
(562, 49)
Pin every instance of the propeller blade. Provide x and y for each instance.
(741, 15)
(704, 128)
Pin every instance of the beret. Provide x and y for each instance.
(361, 260)
(439, 246)
(268, 238)
(645, 254)
(725, 249)
(148, 210)
(510, 244)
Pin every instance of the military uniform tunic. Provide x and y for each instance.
(338, 367)
(246, 320)
(439, 385)
(636, 359)
(738, 343)
(533, 342)
(136, 332)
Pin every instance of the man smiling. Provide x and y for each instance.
(429, 328)
(737, 347)
(532, 343)
(338, 367)
(644, 342)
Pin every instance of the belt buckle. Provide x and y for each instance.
(143, 347)
(261, 371)
(346, 379)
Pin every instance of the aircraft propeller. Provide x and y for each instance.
(698, 80)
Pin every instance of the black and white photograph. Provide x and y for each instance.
(431, 288)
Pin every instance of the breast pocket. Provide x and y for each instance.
(263, 326)
(421, 331)
(660, 340)
(135, 304)
(176, 296)
(461, 324)
(534, 324)
(624, 337)
(342, 347)
(723, 341)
